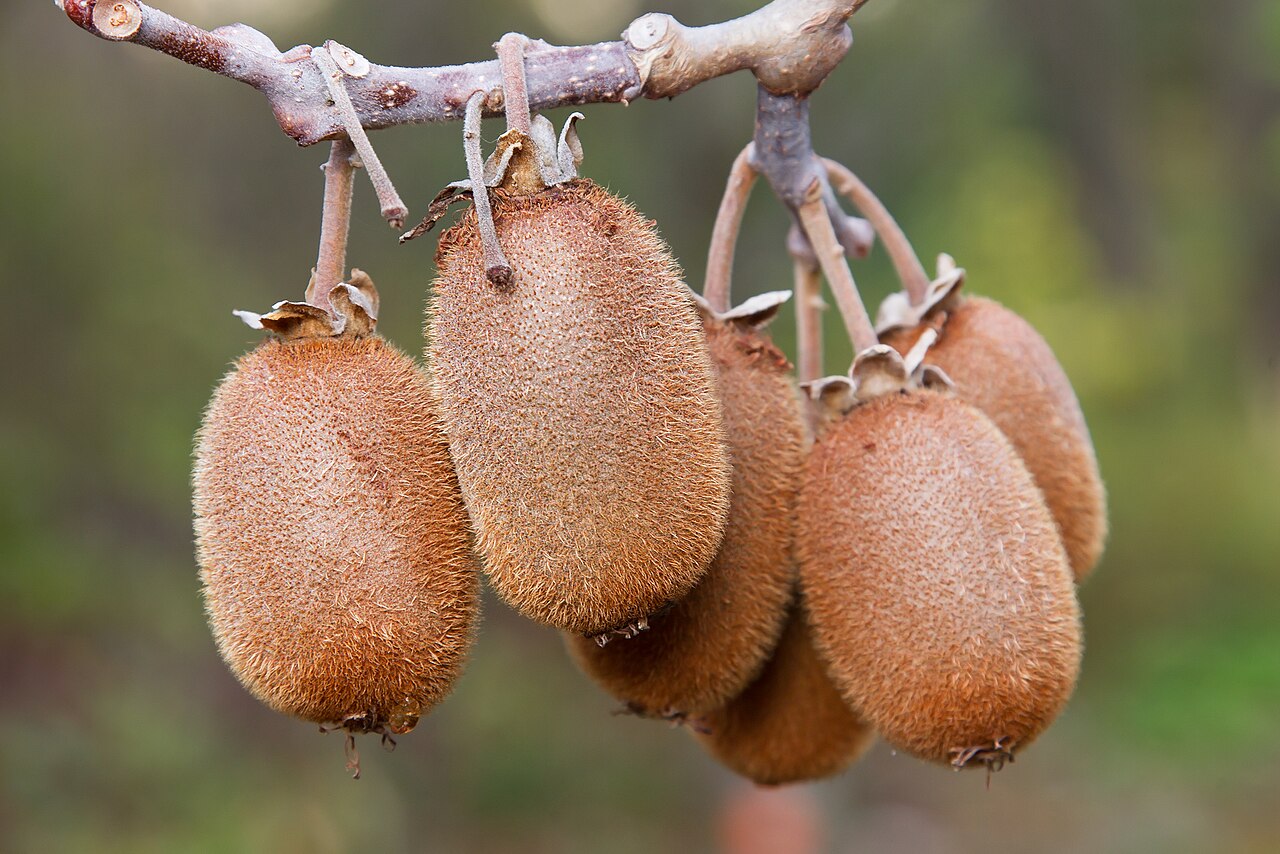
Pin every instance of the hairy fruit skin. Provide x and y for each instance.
(937, 584)
(333, 543)
(791, 724)
(1004, 367)
(580, 408)
(705, 650)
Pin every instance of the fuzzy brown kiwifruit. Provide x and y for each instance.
(332, 539)
(791, 724)
(580, 406)
(1001, 365)
(712, 643)
(937, 584)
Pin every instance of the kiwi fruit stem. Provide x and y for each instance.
(816, 222)
(335, 221)
(716, 290)
(515, 91)
(809, 308)
(905, 261)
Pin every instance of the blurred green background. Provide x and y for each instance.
(1109, 170)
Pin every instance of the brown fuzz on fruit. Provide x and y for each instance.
(709, 646)
(1004, 367)
(791, 724)
(937, 584)
(579, 402)
(332, 539)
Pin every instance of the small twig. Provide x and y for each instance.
(905, 261)
(809, 306)
(496, 268)
(816, 222)
(717, 290)
(393, 209)
(515, 90)
(335, 222)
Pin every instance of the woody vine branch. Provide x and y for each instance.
(790, 46)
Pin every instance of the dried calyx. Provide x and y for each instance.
(521, 164)
(755, 313)
(878, 371)
(941, 295)
(354, 314)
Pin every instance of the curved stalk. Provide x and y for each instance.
(717, 289)
(915, 281)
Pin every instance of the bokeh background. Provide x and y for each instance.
(1110, 170)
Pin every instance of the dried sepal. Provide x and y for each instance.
(877, 371)
(355, 312)
(756, 313)
(528, 163)
(897, 312)
(291, 320)
(456, 192)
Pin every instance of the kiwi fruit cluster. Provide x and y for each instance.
(788, 571)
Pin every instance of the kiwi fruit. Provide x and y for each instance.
(937, 584)
(1001, 365)
(705, 650)
(791, 723)
(333, 543)
(578, 397)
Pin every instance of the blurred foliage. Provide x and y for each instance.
(1109, 170)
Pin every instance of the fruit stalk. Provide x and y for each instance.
(331, 263)
(905, 261)
(809, 307)
(816, 222)
(515, 88)
(717, 290)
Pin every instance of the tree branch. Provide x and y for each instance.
(790, 45)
